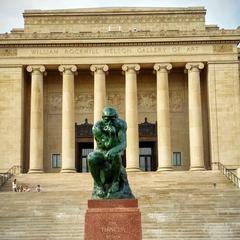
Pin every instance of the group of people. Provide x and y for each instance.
(21, 188)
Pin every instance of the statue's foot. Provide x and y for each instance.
(99, 192)
(114, 188)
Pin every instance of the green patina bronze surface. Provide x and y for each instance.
(105, 163)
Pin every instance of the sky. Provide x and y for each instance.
(224, 13)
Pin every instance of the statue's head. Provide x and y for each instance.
(109, 114)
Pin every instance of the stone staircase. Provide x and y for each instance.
(174, 205)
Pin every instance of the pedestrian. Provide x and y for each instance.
(38, 188)
(14, 185)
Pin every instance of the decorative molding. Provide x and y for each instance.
(84, 130)
(197, 66)
(95, 68)
(84, 103)
(127, 67)
(147, 129)
(8, 52)
(162, 67)
(78, 43)
(116, 99)
(221, 48)
(35, 69)
(147, 101)
(67, 68)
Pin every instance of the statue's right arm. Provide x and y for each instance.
(99, 135)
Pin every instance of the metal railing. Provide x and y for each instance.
(4, 176)
(229, 174)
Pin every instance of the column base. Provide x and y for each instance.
(161, 169)
(68, 170)
(35, 171)
(133, 170)
(214, 166)
(197, 169)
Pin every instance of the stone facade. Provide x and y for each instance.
(127, 53)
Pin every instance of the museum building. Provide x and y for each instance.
(171, 77)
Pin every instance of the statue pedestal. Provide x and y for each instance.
(115, 219)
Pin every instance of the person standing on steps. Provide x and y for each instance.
(14, 185)
(38, 188)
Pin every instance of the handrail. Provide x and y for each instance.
(4, 176)
(229, 174)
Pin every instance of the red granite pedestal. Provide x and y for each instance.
(113, 220)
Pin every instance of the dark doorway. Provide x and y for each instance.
(147, 156)
(83, 150)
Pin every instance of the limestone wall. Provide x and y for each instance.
(223, 101)
(11, 116)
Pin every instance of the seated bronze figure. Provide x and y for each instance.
(105, 163)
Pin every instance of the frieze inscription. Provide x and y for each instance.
(113, 51)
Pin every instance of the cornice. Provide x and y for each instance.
(21, 35)
(109, 44)
(162, 37)
(113, 11)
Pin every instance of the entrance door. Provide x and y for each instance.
(83, 150)
(147, 156)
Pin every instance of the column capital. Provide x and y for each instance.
(127, 67)
(36, 69)
(67, 69)
(96, 67)
(194, 66)
(162, 67)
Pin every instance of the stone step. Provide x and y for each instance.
(174, 205)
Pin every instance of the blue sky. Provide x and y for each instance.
(224, 13)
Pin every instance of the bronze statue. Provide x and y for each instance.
(105, 163)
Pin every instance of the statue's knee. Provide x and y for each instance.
(91, 158)
(94, 158)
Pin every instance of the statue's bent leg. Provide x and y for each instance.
(116, 163)
(95, 162)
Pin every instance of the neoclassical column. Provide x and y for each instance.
(163, 118)
(99, 89)
(131, 109)
(36, 119)
(68, 119)
(195, 116)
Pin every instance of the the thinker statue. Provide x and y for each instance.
(105, 163)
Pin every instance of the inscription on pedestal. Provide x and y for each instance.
(113, 231)
(113, 220)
